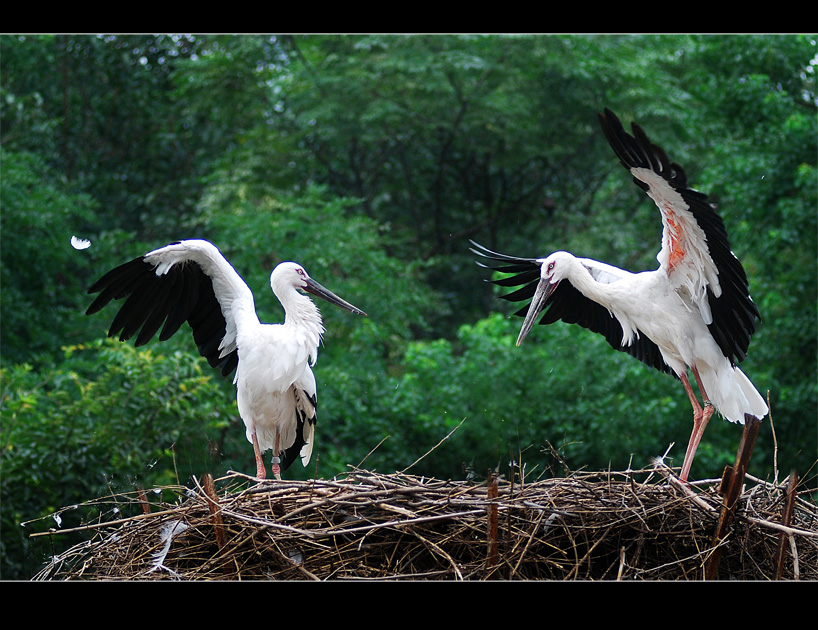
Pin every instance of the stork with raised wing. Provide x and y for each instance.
(191, 281)
(693, 312)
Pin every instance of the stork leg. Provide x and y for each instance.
(701, 416)
(276, 458)
(261, 472)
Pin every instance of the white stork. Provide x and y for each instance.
(191, 281)
(694, 311)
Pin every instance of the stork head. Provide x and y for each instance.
(555, 267)
(552, 270)
(290, 275)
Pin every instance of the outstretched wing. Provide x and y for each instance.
(695, 249)
(568, 304)
(185, 281)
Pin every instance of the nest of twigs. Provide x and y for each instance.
(631, 525)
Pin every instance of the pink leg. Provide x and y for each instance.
(261, 472)
(276, 459)
(700, 419)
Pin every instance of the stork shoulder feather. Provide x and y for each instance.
(685, 254)
(227, 283)
(601, 272)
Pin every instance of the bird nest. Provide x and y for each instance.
(631, 525)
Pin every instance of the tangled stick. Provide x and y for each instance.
(630, 525)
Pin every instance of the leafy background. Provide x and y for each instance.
(372, 160)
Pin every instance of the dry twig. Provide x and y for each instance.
(630, 525)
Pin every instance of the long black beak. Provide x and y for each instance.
(541, 295)
(316, 289)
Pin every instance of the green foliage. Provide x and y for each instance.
(515, 404)
(344, 251)
(103, 110)
(440, 137)
(41, 273)
(762, 171)
(371, 159)
(107, 418)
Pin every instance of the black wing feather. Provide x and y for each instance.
(184, 293)
(290, 454)
(568, 304)
(154, 321)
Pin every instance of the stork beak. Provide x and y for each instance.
(317, 290)
(541, 295)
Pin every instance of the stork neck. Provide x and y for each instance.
(582, 280)
(299, 310)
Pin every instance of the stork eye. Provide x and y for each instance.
(300, 272)
(550, 266)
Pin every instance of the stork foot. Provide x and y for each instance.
(700, 419)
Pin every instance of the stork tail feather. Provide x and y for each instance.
(732, 393)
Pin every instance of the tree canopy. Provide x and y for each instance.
(372, 160)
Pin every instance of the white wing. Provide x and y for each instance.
(695, 252)
(185, 281)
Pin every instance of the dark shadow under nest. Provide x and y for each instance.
(631, 525)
